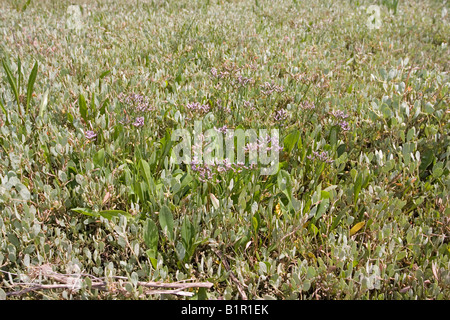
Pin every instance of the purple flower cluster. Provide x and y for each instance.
(341, 116)
(267, 144)
(280, 115)
(204, 171)
(307, 105)
(139, 122)
(139, 102)
(212, 172)
(195, 106)
(323, 156)
(91, 135)
(218, 75)
(269, 88)
(344, 125)
(223, 129)
(243, 81)
(238, 79)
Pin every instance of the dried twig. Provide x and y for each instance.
(232, 276)
(73, 282)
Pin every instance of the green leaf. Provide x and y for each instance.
(83, 107)
(255, 224)
(151, 236)
(411, 134)
(104, 74)
(314, 229)
(401, 255)
(151, 255)
(85, 211)
(145, 169)
(322, 207)
(23, 191)
(25, 6)
(426, 158)
(334, 131)
(357, 187)
(336, 220)
(19, 74)
(284, 182)
(166, 222)
(93, 107)
(102, 109)
(214, 201)
(340, 150)
(4, 111)
(290, 140)
(12, 82)
(30, 86)
(201, 294)
(14, 240)
(180, 250)
(438, 170)
(99, 157)
(187, 234)
(306, 285)
(310, 273)
(109, 214)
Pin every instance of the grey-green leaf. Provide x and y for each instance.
(151, 236)
(166, 222)
(30, 86)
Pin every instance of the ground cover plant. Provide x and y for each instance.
(92, 207)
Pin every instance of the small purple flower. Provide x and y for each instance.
(323, 156)
(91, 135)
(214, 72)
(242, 81)
(139, 122)
(344, 126)
(269, 88)
(223, 129)
(195, 106)
(139, 102)
(340, 114)
(280, 115)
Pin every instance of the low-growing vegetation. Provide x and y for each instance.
(92, 207)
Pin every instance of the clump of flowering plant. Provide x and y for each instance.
(322, 156)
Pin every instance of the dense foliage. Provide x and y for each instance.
(358, 208)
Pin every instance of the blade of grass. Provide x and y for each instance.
(19, 74)
(12, 83)
(26, 5)
(30, 86)
(4, 111)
